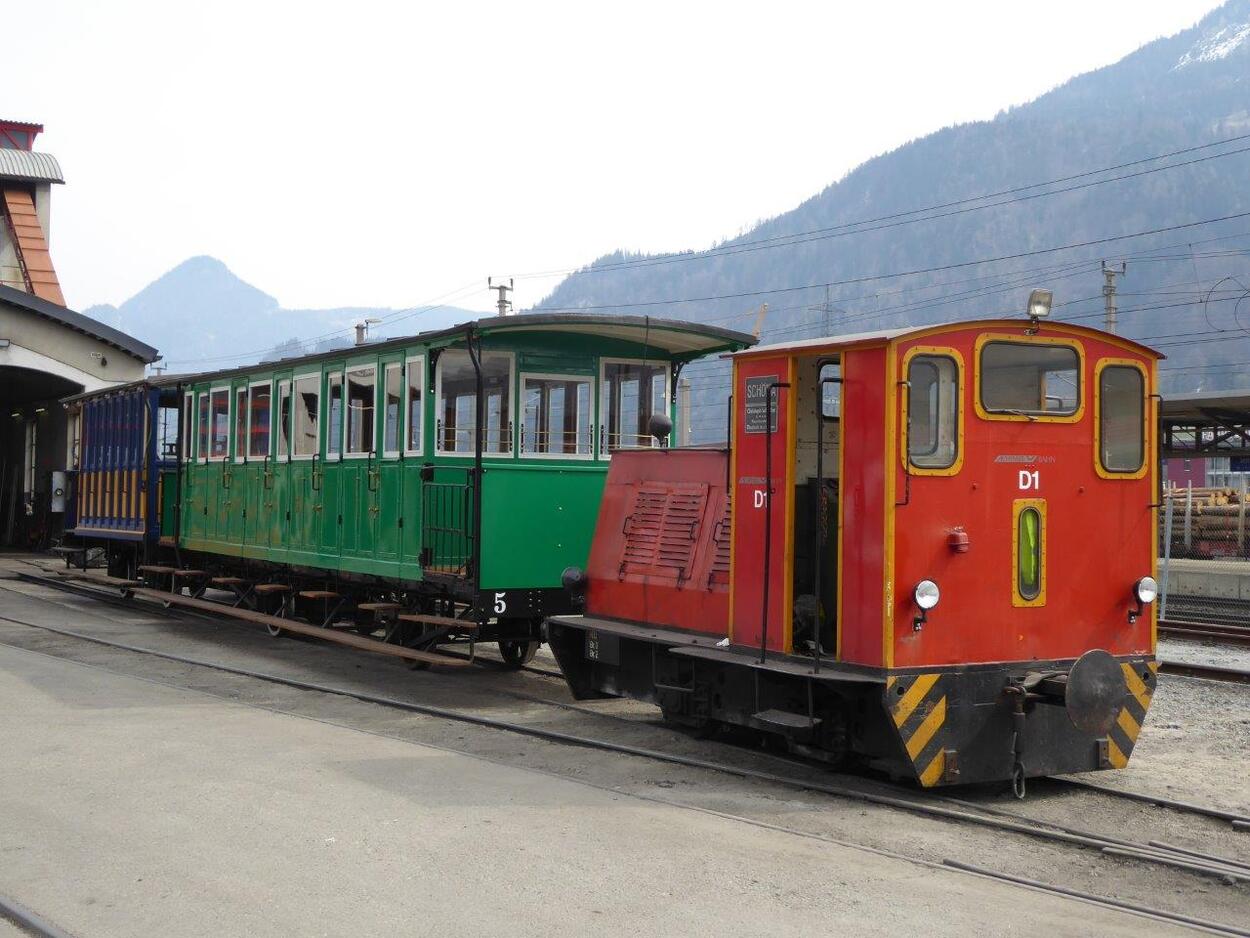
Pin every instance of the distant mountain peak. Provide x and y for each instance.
(210, 276)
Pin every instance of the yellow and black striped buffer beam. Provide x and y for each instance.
(918, 705)
(1140, 681)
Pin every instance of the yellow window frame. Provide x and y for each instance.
(1017, 339)
(1019, 507)
(904, 456)
(1102, 471)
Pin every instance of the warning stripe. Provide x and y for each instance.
(934, 770)
(912, 697)
(1135, 685)
(1139, 684)
(919, 714)
(924, 733)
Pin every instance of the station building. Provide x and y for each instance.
(47, 351)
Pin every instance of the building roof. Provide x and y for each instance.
(1199, 404)
(78, 322)
(29, 166)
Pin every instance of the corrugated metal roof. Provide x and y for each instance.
(26, 164)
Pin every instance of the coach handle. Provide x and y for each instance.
(372, 472)
(316, 473)
(225, 475)
(906, 404)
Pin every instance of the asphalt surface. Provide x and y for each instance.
(135, 808)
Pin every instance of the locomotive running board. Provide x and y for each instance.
(302, 628)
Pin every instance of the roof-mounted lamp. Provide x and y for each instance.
(1039, 307)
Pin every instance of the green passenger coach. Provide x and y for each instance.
(430, 489)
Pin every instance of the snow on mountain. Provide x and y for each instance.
(1215, 46)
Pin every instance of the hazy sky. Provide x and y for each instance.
(393, 153)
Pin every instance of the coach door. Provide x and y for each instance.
(761, 466)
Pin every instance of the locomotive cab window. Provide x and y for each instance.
(1022, 379)
(457, 402)
(556, 416)
(1121, 418)
(1029, 552)
(932, 411)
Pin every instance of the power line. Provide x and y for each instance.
(1094, 242)
(901, 218)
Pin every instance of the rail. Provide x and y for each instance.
(447, 514)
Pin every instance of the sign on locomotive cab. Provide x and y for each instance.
(757, 416)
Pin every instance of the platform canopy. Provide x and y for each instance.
(1206, 423)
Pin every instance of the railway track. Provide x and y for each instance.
(1222, 868)
(1201, 631)
(940, 807)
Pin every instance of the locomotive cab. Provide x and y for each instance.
(942, 555)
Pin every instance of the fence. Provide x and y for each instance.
(1204, 558)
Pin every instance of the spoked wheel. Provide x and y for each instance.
(517, 653)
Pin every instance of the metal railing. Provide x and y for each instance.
(447, 528)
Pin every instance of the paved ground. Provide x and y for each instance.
(134, 808)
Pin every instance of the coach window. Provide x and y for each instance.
(1022, 380)
(307, 436)
(258, 421)
(202, 450)
(284, 418)
(240, 424)
(188, 424)
(556, 416)
(362, 384)
(456, 382)
(219, 420)
(629, 393)
(415, 414)
(392, 410)
(932, 411)
(334, 414)
(1121, 406)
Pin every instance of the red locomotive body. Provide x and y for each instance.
(939, 558)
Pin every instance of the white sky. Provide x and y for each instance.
(390, 153)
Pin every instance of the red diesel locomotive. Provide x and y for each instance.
(930, 550)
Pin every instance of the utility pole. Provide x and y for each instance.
(826, 309)
(1109, 274)
(504, 304)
